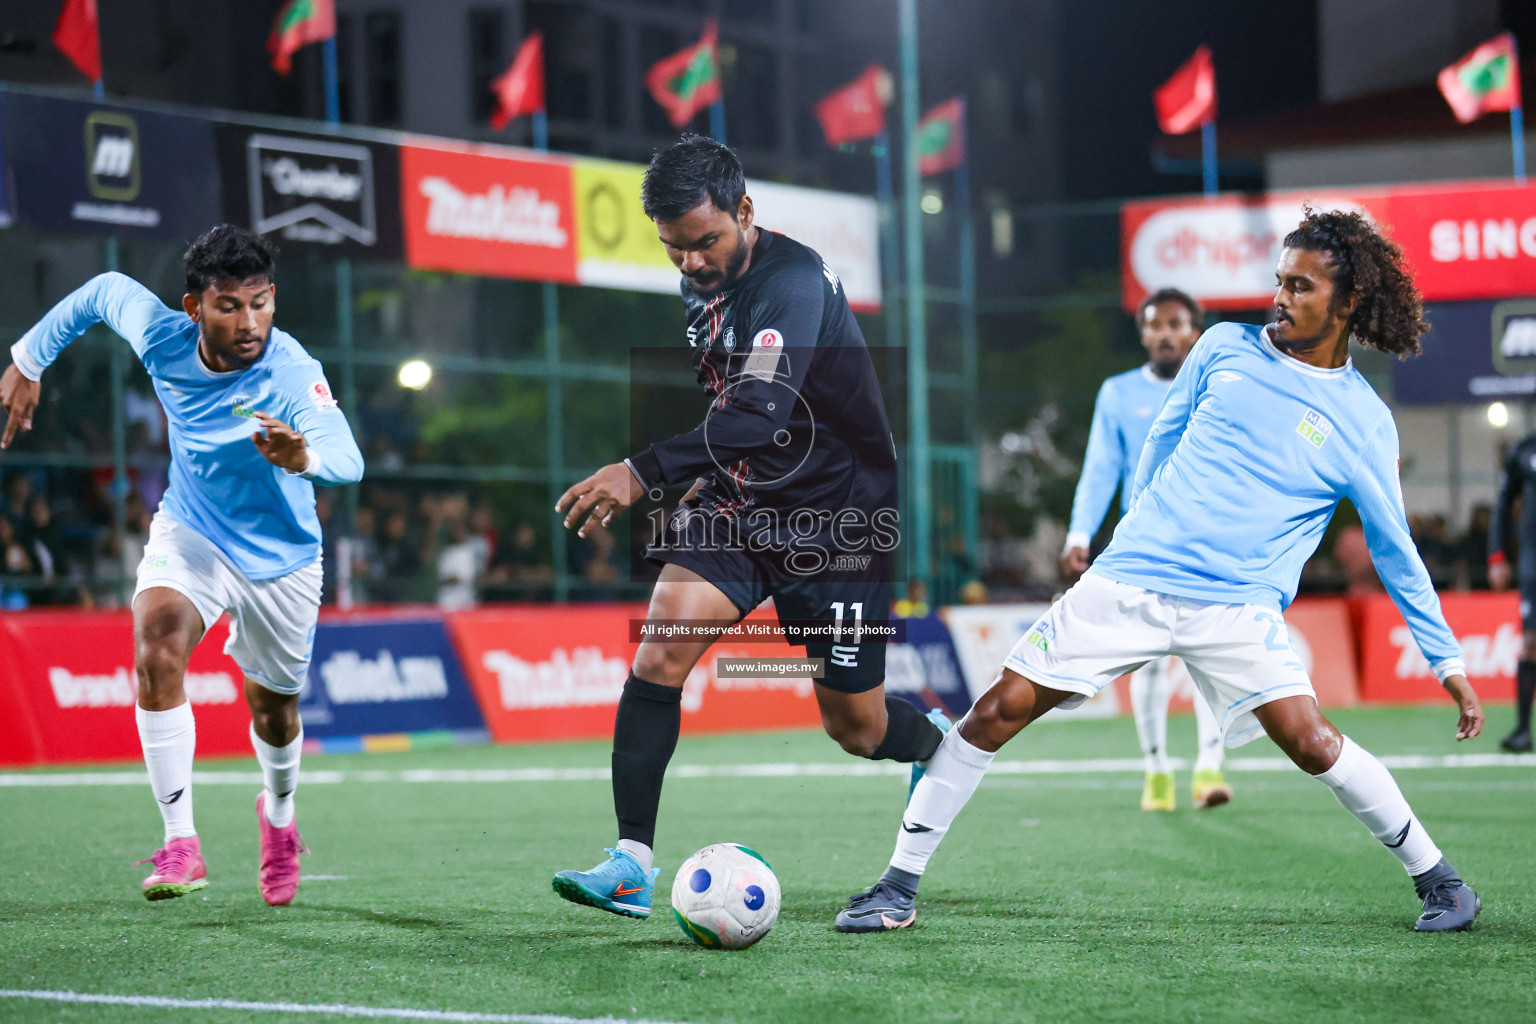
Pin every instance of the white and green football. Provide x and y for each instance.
(726, 896)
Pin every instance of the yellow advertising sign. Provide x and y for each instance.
(616, 244)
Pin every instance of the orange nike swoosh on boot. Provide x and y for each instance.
(623, 891)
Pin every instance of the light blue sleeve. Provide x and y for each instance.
(311, 409)
(114, 299)
(1378, 497)
(1173, 417)
(1102, 465)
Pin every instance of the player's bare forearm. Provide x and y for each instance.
(1470, 721)
(597, 499)
(19, 397)
(280, 444)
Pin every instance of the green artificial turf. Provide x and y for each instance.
(1053, 899)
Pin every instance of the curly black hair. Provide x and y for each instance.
(1389, 313)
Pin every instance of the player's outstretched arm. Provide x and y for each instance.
(601, 496)
(330, 460)
(19, 396)
(1470, 722)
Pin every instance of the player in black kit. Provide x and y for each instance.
(793, 497)
(1518, 481)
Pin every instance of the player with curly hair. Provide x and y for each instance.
(1264, 431)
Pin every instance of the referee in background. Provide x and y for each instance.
(1518, 481)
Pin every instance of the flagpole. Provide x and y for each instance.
(332, 87)
(917, 311)
(969, 509)
(1208, 156)
(540, 123)
(717, 122)
(1517, 141)
(554, 397)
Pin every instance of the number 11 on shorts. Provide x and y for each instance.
(858, 619)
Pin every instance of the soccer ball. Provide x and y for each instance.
(725, 896)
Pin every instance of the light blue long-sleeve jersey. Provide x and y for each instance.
(1122, 416)
(261, 516)
(1242, 470)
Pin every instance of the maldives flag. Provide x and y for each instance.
(78, 36)
(1188, 99)
(1486, 79)
(298, 24)
(689, 80)
(941, 137)
(857, 110)
(520, 89)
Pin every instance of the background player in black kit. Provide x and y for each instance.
(1518, 481)
(794, 497)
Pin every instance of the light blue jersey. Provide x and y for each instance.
(261, 517)
(1122, 416)
(1242, 471)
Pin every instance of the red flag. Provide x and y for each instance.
(689, 80)
(941, 138)
(77, 34)
(857, 110)
(520, 89)
(1188, 99)
(298, 24)
(1486, 79)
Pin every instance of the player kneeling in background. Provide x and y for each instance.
(236, 530)
(1264, 431)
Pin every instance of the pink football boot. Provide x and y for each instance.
(179, 869)
(278, 873)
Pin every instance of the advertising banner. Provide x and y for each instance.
(555, 673)
(616, 243)
(100, 168)
(74, 673)
(487, 210)
(377, 674)
(1393, 670)
(926, 670)
(327, 190)
(1465, 240)
(844, 229)
(1475, 352)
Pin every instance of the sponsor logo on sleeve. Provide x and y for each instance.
(767, 352)
(320, 395)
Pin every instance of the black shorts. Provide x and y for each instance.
(1527, 578)
(856, 595)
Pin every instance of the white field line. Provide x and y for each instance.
(323, 777)
(331, 1009)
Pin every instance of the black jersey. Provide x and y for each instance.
(1517, 481)
(796, 421)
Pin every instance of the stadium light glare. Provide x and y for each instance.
(415, 374)
(933, 201)
(1498, 414)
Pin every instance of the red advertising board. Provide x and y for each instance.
(1393, 670)
(480, 211)
(555, 673)
(1465, 240)
(70, 690)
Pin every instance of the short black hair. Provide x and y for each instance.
(688, 172)
(1196, 314)
(1389, 313)
(228, 253)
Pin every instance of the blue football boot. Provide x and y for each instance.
(941, 720)
(617, 885)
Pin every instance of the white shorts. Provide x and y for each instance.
(1239, 655)
(271, 622)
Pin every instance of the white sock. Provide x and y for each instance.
(1150, 689)
(640, 852)
(951, 778)
(280, 774)
(1368, 791)
(169, 739)
(1213, 750)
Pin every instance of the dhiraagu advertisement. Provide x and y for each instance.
(616, 244)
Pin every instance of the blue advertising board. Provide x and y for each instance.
(925, 669)
(108, 168)
(1474, 352)
(371, 677)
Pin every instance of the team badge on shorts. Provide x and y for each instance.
(1040, 636)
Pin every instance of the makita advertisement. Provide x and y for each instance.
(1464, 240)
(378, 674)
(324, 190)
(100, 168)
(1393, 670)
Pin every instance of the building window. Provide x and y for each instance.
(752, 98)
(487, 59)
(346, 68)
(571, 48)
(385, 67)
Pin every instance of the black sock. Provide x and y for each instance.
(1525, 690)
(644, 736)
(909, 736)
